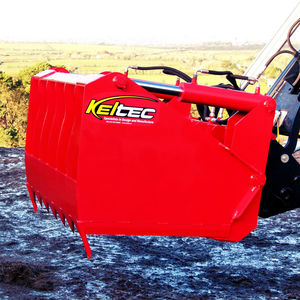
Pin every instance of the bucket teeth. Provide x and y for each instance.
(84, 240)
(62, 217)
(32, 197)
(39, 199)
(45, 204)
(53, 211)
(71, 223)
(35, 195)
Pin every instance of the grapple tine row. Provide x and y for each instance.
(62, 216)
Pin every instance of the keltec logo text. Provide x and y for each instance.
(116, 108)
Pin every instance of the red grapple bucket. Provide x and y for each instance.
(110, 157)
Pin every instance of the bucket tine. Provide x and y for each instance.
(32, 197)
(39, 199)
(62, 217)
(53, 211)
(71, 223)
(85, 241)
(46, 204)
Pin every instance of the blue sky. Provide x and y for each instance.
(142, 22)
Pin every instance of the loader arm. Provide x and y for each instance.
(282, 190)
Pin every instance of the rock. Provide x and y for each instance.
(31, 276)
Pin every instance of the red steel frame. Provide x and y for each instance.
(164, 174)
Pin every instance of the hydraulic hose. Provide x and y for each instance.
(167, 70)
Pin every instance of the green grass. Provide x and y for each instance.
(88, 59)
(97, 58)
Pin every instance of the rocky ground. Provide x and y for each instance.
(41, 259)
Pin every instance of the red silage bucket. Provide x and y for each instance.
(110, 157)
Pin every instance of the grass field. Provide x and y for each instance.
(97, 58)
(80, 58)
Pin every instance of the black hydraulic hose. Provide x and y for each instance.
(227, 73)
(229, 76)
(167, 70)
